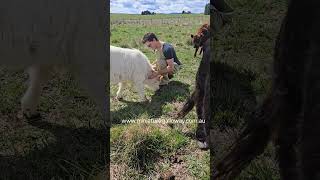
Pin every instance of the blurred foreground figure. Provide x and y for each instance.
(221, 13)
(291, 113)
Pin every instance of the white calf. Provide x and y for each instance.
(131, 65)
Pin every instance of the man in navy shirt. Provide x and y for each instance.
(167, 62)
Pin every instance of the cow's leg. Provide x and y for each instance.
(89, 57)
(195, 52)
(286, 144)
(119, 92)
(206, 111)
(253, 139)
(201, 133)
(201, 50)
(93, 79)
(188, 105)
(29, 102)
(140, 88)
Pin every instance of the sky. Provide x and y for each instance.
(157, 6)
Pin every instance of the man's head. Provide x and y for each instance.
(150, 40)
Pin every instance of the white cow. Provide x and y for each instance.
(38, 34)
(133, 66)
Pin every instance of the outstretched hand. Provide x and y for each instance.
(153, 74)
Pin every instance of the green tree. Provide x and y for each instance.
(207, 9)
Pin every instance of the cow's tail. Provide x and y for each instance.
(252, 141)
(188, 105)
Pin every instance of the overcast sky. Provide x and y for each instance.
(157, 6)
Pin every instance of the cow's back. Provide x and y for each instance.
(127, 64)
(39, 31)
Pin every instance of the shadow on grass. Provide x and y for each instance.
(75, 154)
(233, 101)
(232, 94)
(154, 108)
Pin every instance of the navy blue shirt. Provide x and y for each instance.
(169, 53)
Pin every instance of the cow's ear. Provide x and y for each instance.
(191, 35)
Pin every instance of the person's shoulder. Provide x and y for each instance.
(167, 47)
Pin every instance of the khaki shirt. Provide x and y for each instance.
(161, 63)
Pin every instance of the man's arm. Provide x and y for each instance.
(169, 68)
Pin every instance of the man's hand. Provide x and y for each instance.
(154, 65)
(170, 66)
(153, 74)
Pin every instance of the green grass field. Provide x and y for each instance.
(246, 46)
(67, 143)
(157, 16)
(142, 151)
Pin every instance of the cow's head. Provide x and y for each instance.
(153, 83)
(196, 39)
(201, 36)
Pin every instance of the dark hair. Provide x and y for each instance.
(149, 37)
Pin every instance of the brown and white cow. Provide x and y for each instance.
(199, 38)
